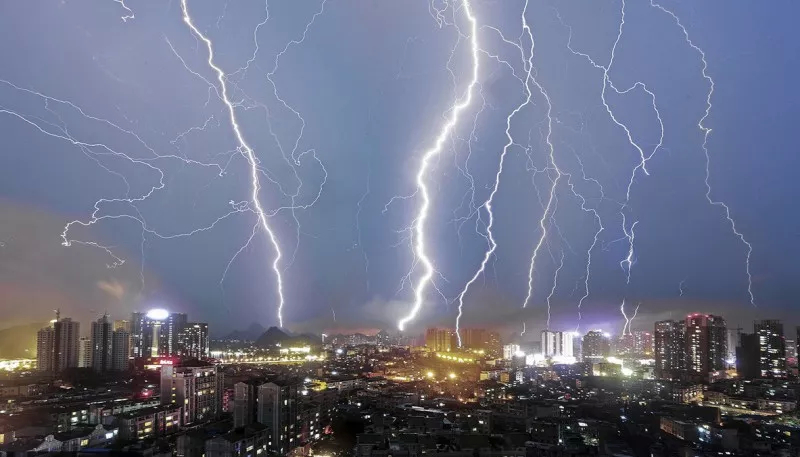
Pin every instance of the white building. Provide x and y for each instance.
(510, 350)
(552, 343)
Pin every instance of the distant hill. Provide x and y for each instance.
(250, 334)
(19, 342)
(274, 336)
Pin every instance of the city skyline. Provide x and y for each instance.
(663, 187)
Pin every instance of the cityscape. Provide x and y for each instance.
(155, 384)
(399, 228)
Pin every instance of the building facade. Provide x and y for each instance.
(120, 350)
(772, 348)
(101, 344)
(278, 410)
(193, 340)
(85, 352)
(669, 347)
(440, 339)
(197, 386)
(552, 343)
(45, 349)
(245, 402)
(596, 346)
(67, 334)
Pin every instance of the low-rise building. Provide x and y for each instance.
(248, 441)
(150, 422)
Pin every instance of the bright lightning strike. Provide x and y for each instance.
(627, 262)
(420, 248)
(488, 203)
(129, 12)
(555, 181)
(644, 157)
(248, 151)
(627, 321)
(706, 132)
(553, 289)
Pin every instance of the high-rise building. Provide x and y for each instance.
(45, 349)
(495, 344)
(193, 340)
(552, 343)
(440, 339)
(102, 350)
(643, 343)
(474, 338)
(567, 345)
(278, 410)
(156, 333)
(596, 346)
(797, 343)
(171, 329)
(733, 343)
(126, 325)
(197, 386)
(791, 353)
(577, 347)
(120, 349)
(137, 335)
(510, 351)
(67, 333)
(245, 402)
(85, 352)
(748, 357)
(383, 338)
(123, 324)
(706, 344)
(670, 348)
(772, 348)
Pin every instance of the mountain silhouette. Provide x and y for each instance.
(250, 334)
(275, 336)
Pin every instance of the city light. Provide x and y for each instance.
(452, 376)
(158, 314)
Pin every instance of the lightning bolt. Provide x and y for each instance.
(420, 248)
(358, 229)
(680, 287)
(248, 151)
(644, 157)
(627, 321)
(627, 262)
(554, 166)
(627, 328)
(597, 233)
(706, 132)
(129, 12)
(487, 205)
(635, 312)
(553, 289)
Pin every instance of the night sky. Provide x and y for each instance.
(116, 103)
